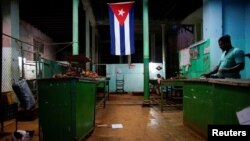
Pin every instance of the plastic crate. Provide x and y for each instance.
(7, 112)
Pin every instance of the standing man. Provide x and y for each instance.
(232, 61)
(157, 86)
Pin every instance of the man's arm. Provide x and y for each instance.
(239, 57)
(233, 69)
(247, 55)
(215, 70)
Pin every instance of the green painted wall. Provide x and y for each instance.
(200, 64)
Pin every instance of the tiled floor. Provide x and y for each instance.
(22, 125)
(138, 123)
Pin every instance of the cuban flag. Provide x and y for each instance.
(121, 18)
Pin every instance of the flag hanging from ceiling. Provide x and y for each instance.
(121, 18)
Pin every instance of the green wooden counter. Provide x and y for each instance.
(104, 85)
(169, 83)
(212, 101)
(66, 108)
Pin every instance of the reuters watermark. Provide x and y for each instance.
(237, 132)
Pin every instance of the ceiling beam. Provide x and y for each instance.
(89, 11)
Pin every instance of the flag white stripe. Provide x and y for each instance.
(117, 36)
(127, 35)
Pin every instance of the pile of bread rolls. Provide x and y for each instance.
(76, 72)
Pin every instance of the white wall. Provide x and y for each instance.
(133, 75)
(247, 38)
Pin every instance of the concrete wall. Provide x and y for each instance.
(195, 19)
(10, 13)
(227, 17)
(185, 37)
(133, 75)
(234, 24)
(18, 35)
(247, 38)
(212, 27)
(28, 33)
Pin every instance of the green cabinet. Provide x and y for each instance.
(198, 106)
(214, 102)
(229, 100)
(66, 108)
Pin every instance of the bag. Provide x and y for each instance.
(24, 94)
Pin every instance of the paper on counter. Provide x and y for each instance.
(244, 116)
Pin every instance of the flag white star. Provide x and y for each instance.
(121, 12)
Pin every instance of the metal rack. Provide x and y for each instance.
(119, 83)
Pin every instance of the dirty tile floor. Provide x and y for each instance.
(138, 123)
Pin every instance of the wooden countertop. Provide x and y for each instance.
(232, 82)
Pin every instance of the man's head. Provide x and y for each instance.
(225, 42)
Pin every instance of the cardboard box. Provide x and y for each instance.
(8, 98)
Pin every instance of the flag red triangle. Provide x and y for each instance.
(121, 10)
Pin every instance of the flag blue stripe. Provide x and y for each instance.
(131, 20)
(112, 32)
(122, 40)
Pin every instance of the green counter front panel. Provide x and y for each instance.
(66, 108)
(229, 100)
(213, 102)
(198, 107)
